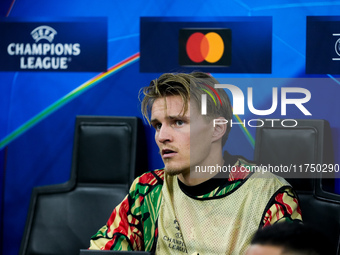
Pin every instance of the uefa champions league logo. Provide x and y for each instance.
(337, 48)
(44, 55)
(43, 32)
(57, 45)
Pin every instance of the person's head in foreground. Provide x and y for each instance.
(288, 239)
(172, 105)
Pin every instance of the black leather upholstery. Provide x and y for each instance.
(63, 217)
(309, 142)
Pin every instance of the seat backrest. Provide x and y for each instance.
(63, 217)
(309, 142)
(108, 149)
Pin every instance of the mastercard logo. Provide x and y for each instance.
(205, 47)
(209, 47)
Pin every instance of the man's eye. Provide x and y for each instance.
(179, 122)
(158, 126)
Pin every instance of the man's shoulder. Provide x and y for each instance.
(269, 176)
(269, 183)
(152, 177)
(147, 183)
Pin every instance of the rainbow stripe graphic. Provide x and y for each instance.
(84, 87)
(249, 137)
(67, 98)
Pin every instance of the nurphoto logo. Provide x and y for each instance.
(239, 105)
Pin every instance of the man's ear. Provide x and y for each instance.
(220, 127)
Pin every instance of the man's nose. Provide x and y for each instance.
(165, 134)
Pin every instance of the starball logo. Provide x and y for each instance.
(337, 46)
(238, 99)
(44, 54)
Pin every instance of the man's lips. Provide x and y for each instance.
(168, 153)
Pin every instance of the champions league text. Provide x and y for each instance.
(60, 54)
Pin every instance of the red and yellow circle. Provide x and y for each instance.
(208, 47)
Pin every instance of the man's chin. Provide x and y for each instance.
(172, 171)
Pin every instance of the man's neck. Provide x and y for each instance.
(187, 179)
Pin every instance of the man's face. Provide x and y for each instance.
(172, 135)
(257, 249)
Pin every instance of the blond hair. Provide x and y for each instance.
(189, 87)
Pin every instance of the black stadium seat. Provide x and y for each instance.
(63, 217)
(309, 142)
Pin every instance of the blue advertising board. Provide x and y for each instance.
(323, 45)
(73, 45)
(235, 44)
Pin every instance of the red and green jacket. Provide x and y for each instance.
(133, 223)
